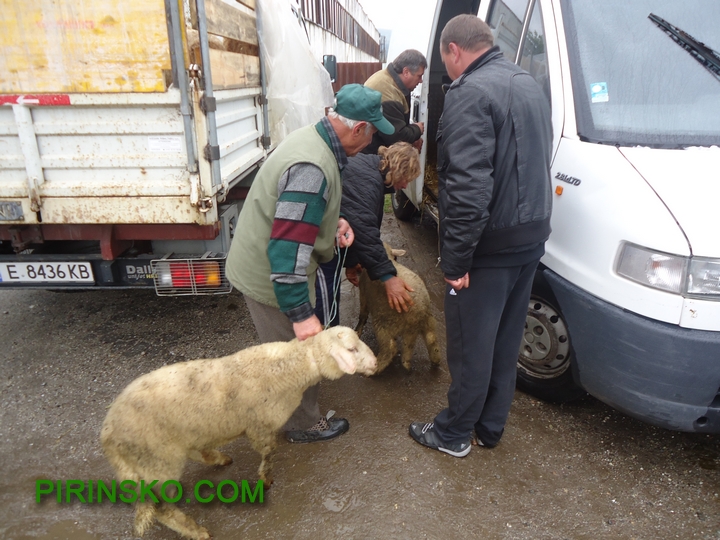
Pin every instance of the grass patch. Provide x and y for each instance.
(387, 206)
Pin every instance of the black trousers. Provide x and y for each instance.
(484, 324)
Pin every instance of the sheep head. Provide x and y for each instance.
(339, 350)
(393, 253)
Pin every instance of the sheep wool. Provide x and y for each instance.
(189, 409)
(390, 325)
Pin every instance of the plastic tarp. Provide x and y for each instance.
(299, 88)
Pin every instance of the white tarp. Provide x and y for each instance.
(299, 87)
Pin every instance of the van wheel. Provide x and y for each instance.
(402, 207)
(545, 356)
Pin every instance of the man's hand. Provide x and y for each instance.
(397, 295)
(353, 274)
(307, 328)
(345, 234)
(421, 125)
(460, 283)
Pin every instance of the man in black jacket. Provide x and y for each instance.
(494, 145)
(366, 181)
(367, 178)
(395, 83)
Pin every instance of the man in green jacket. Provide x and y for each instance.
(395, 83)
(289, 224)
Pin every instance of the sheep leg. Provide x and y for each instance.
(409, 339)
(174, 519)
(264, 442)
(364, 313)
(388, 348)
(144, 516)
(210, 456)
(126, 468)
(431, 341)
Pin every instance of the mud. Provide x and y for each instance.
(579, 471)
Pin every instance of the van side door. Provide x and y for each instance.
(526, 33)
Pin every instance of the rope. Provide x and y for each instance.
(337, 279)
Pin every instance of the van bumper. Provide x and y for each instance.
(657, 372)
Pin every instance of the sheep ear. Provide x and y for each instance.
(345, 360)
(399, 252)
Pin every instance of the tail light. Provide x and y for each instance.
(183, 277)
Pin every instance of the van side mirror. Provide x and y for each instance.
(330, 64)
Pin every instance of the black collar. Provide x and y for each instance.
(485, 57)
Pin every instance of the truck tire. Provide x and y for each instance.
(402, 207)
(546, 353)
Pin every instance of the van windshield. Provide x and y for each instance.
(633, 84)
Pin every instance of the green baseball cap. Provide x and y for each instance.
(358, 102)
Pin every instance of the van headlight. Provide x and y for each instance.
(704, 278)
(688, 276)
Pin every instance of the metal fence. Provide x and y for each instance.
(331, 16)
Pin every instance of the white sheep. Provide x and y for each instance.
(389, 324)
(187, 410)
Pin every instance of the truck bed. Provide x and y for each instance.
(117, 152)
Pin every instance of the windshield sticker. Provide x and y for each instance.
(599, 92)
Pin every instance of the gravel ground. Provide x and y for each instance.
(561, 472)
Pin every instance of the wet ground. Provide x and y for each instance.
(579, 471)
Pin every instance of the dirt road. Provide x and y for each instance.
(580, 471)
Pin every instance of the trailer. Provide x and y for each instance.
(130, 132)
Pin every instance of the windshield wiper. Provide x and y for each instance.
(698, 50)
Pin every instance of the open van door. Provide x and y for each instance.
(422, 192)
(526, 35)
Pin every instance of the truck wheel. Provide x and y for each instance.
(402, 207)
(545, 355)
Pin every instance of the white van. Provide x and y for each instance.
(626, 303)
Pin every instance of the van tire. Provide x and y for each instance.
(402, 207)
(544, 368)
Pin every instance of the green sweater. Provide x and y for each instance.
(288, 223)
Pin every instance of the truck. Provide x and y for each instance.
(626, 301)
(131, 131)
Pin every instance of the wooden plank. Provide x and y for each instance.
(248, 3)
(224, 20)
(232, 70)
(83, 46)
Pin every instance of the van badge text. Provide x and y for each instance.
(567, 178)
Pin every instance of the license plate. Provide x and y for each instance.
(46, 272)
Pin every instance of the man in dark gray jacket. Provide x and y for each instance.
(494, 145)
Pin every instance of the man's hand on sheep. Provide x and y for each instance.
(345, 234)
(307, 328)
(353, 274)
(397, 294)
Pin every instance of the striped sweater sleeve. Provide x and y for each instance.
(302, 197)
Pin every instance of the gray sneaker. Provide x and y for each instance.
(426, 435)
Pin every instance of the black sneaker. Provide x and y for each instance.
(425, 434)
(324, 430)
